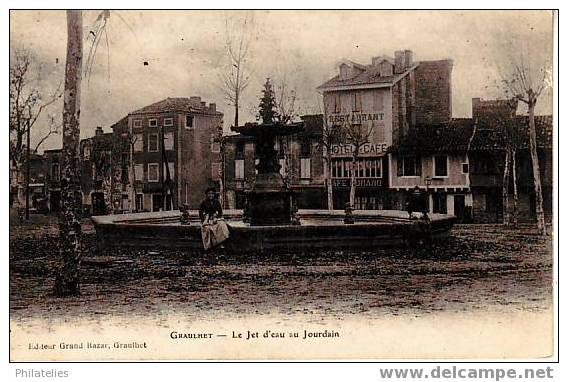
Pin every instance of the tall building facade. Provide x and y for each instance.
(378, 105)
(170, 154)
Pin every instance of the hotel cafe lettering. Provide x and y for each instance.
(357, 118)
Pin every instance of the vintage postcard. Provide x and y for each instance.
(281, 185)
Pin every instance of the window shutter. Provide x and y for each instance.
(399, 162)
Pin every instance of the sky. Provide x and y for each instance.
(186, 54)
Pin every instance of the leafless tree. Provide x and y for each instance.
(330, 136)
(356, 135)
(286, 107)
(27, 104)
(237, 75)
(527, 85)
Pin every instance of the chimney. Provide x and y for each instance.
(475, 102)
(399, 61)
(99, 131)
(212, 107)
(407, 59)
(203, 104)
(195, 101)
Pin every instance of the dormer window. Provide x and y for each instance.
(189, 121)
(344, 71)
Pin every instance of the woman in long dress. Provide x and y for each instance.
(214, 230)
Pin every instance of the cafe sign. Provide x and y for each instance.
(368, 149)
(359, 182)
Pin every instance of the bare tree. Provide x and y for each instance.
(527, 87)
(330, 135)
(286, 107)
(356, 135)
(26, 105)
(67, 279)
(237, 75)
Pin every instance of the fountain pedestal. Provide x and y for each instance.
(269, 201)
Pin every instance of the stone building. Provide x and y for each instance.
(300, 158)
(460, 164)
(384, 101)
(169, 154)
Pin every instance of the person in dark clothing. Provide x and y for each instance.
(214, 230)
(210, 208)
(417, 203)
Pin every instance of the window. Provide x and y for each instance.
(152, 142)
(189, 121)
(171, 168)
(441, 165)
(55, 172)
(256, 162)
(215, 147)
(409, 166)
(439, 204)
(465, 168)
(139, 172)
(364, 168)
(138, 143)
(240, 149)
(169, 141)
(356, 102)
(139, 202)
(152, 122)
(336, 104)
(239, 169)
(153, 175)
(168, 122)
(137, 123)
(215, 171)
(305, 168)
(305, 150)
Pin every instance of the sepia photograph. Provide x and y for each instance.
(282, 185)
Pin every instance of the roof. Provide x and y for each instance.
(368, 77)
(122, 123)
(461, 135)
(175, 104)
(313, 125)
(453, 136)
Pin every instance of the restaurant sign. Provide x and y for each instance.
(335, 119)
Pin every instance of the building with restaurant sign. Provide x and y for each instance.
(383, 101)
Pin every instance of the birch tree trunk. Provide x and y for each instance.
(67, 279)
(536, 169)
(506, 219)
(515, 190)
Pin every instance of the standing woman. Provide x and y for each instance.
(214, 230)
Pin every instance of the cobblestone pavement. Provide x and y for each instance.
(481, 267)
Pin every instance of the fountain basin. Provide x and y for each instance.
(318, 229)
